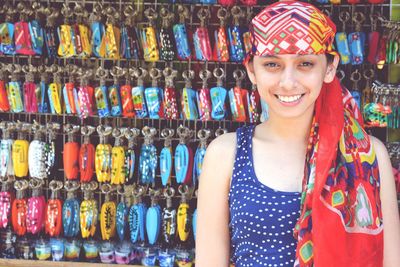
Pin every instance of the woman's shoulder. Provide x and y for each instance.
(221, 151)
(379, 148)
(383, 158)
(224, 145)
(227, 142)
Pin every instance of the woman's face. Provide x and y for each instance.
(290, 84)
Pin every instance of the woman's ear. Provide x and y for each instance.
(331, 70)
(250, 71)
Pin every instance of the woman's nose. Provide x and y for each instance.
(288, 79)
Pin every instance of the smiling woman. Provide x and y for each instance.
(290, 84)
(303, 188)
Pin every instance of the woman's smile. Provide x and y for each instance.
(291, 100)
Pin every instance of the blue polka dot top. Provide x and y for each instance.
(261, 218)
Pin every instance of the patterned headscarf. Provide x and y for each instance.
(291, 27)
(340, 223)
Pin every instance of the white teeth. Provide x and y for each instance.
(289, 99)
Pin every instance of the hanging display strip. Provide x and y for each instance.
(107, 107)
(86, 98)
(149, 31)
(114, 192)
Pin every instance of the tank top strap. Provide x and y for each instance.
(244, 137)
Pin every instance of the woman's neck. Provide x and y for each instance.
(278, 128)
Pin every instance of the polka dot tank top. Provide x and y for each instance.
(261, 218)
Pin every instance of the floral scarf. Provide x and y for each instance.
(341, 217)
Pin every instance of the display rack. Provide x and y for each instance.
(195, 125)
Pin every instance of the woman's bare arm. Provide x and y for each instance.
(212, 236)
(390, 210)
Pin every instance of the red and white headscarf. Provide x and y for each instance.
(291, 27)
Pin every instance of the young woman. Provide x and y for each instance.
(304, 188)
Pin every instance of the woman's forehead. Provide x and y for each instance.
(290, 57)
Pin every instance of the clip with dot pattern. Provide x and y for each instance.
(70, 210)
(188, 98)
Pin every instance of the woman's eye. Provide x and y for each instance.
(271, 65)
(306, 64)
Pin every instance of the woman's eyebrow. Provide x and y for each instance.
(270, 56)
(307, 55)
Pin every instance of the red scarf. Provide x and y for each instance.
(341, 218)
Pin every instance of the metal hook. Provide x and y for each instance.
(355, 76)
(220, 131)
(368, 74)
(167, 133)
(155, 73)
(205, 75)
(219, 73)
(203, 134)
(188, 75)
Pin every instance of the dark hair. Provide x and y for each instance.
(329, 58)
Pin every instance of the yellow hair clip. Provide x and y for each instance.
(183, 216)
(102, 162)
(20, 157)
(118, 172)
(55, 99)
(183, 221)
(66, 48)
(118, 165)
(88, 211)
(103, 155)
(86, 46)
(111, 42)
(108, 215)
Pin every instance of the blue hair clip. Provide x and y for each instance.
(137, 221)
(43, 104)
(218, 97)
(154, 100)
(51, 41)
(153, 221)
(97, 35)
(181, 39)
(235, 35)
(154, 96)
(181, 162)
(70, 215)
(37, 37)
(147, 163)
(357, 40)
(121, 220)
(165, 165)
